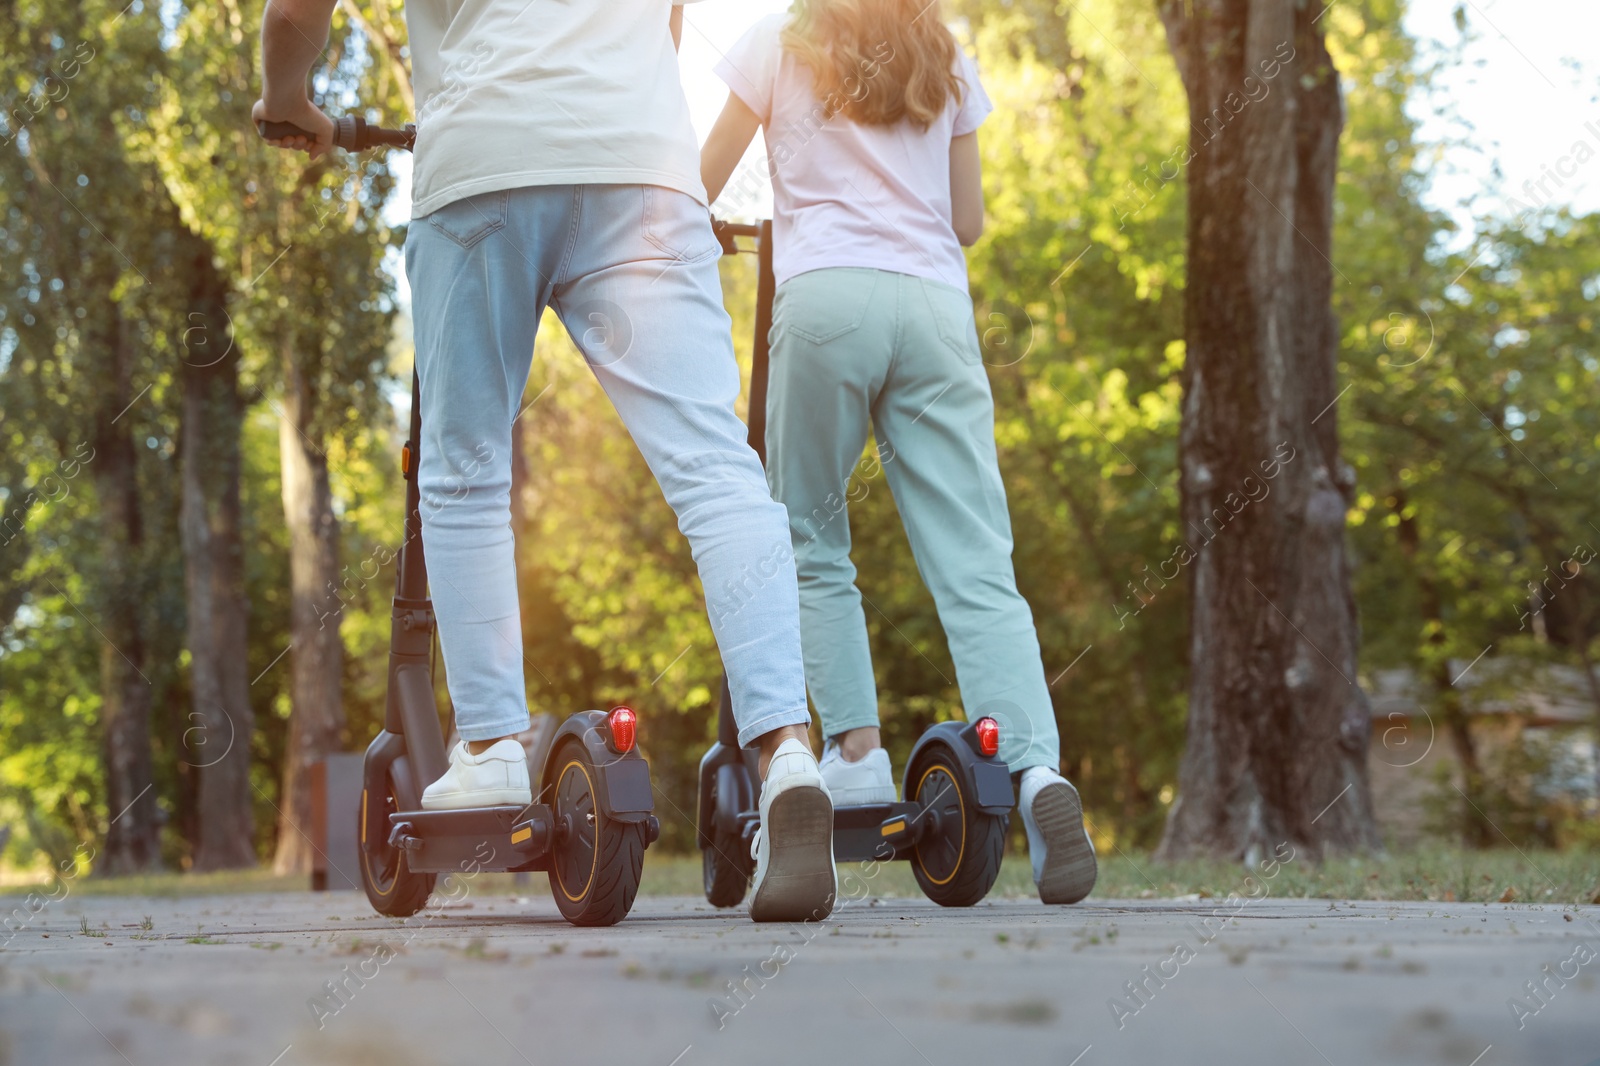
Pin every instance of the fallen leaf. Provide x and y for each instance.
(1508, 895)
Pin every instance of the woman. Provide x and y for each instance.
(870, 112)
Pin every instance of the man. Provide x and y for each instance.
(556, 165)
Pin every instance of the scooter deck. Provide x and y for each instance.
(478, 838)
(870, 831)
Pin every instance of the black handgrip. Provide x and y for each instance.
(277, 131)
(350, 132)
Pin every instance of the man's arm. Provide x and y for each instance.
(676, 22)
(293, 34)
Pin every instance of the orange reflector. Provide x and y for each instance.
(405, 459)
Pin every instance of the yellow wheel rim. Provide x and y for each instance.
(961, 807)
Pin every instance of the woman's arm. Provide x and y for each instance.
(966, 189)
(735, 129)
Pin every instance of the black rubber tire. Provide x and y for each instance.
(391, 888)
(957, 865)
(726, 867)
(595, 871)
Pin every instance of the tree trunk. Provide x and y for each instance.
(132, 841)
(216, 738)
(1278, 727)
(316, 654)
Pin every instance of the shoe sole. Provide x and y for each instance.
(483, 797)
(800, 883)
(1070, 869)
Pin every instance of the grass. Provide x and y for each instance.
(1435, 874)
(168, 885)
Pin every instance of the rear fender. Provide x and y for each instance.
(623, 786)
(987, 776)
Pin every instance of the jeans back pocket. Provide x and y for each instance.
(951, 310)
(676, 224)
(470, 220)
(824, 305)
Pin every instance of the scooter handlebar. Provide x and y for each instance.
(350, 132)
(726, 231)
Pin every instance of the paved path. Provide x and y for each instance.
(246, 980)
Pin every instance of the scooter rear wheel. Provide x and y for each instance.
(391, 888)
(595, 861)
(956, 860)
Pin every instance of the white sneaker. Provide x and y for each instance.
(496, 778)
(1064, 867)
(867, 780)
(795, 877)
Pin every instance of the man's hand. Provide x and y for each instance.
(293, 33)
(307, 118)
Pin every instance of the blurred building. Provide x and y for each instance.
(1532, 727)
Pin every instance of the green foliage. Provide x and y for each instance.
(1469, 416)
(128, 147)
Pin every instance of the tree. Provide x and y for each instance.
(215, 735)
(73, 315)
(217, 742)
(1278, 728)
(310, 314)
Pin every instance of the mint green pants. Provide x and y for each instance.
(857, 351)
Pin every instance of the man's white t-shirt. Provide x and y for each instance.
(513, 93)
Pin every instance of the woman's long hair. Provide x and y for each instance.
(876, 61)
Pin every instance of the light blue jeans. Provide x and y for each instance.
(857, 351)
(632, 272)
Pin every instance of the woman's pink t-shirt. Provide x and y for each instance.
(845, 194)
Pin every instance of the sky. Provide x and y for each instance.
(1529, 92)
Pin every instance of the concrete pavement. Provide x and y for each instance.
(285, 979)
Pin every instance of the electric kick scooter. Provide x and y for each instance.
(951, 823)
(591, 818)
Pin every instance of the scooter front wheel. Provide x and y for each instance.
(595, 861)
(726, 865)
(391, 887)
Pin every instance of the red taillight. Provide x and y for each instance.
(988, 736)
(624, 726)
